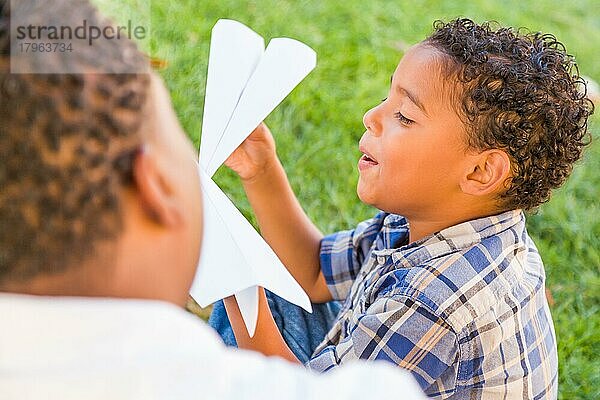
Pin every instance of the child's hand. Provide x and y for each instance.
(255, 155)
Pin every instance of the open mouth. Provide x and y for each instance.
(368, 159)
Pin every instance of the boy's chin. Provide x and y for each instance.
(365, 194)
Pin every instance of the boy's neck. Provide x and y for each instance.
(422, 227)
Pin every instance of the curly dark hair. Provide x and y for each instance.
(66, 146)
(521, 92)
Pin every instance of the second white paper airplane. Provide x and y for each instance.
(245, 83)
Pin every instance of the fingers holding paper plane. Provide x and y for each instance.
(254, 155)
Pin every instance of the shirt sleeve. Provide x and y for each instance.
(343, 253)
(402, 331)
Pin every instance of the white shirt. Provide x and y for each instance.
(84, 348)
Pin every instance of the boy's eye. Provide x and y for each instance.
(403, 119)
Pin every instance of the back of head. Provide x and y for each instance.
(66, 147)
(519, 92)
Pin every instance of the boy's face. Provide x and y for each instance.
(414, 146)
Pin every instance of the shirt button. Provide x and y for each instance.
(381, 260)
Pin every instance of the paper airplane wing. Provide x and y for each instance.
(284, 64)
(235, 257)
(235, 51)
(222, 268)
(220, 259)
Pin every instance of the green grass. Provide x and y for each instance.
(318, 126)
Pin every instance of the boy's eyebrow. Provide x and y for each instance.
(411, 96)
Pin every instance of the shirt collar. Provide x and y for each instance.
(394, 235)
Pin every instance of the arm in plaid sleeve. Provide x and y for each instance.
(403, 331)
(342, 254)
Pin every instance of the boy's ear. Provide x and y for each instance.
(487, 174)
(155, 190)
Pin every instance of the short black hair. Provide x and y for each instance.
(519, 91)
(66, 147)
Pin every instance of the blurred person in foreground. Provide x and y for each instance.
(100, 232)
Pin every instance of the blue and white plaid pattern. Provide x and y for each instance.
(464, 309)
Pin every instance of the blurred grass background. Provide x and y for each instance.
(317, 128)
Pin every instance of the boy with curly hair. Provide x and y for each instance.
(480, 124)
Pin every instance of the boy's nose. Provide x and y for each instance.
(371, 121)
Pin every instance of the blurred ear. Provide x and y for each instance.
(487, 173)
(155, 190)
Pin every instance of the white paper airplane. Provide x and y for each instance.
(245, 83)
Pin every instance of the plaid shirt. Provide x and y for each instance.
(464, 309)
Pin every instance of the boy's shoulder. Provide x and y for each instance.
(463, 272)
